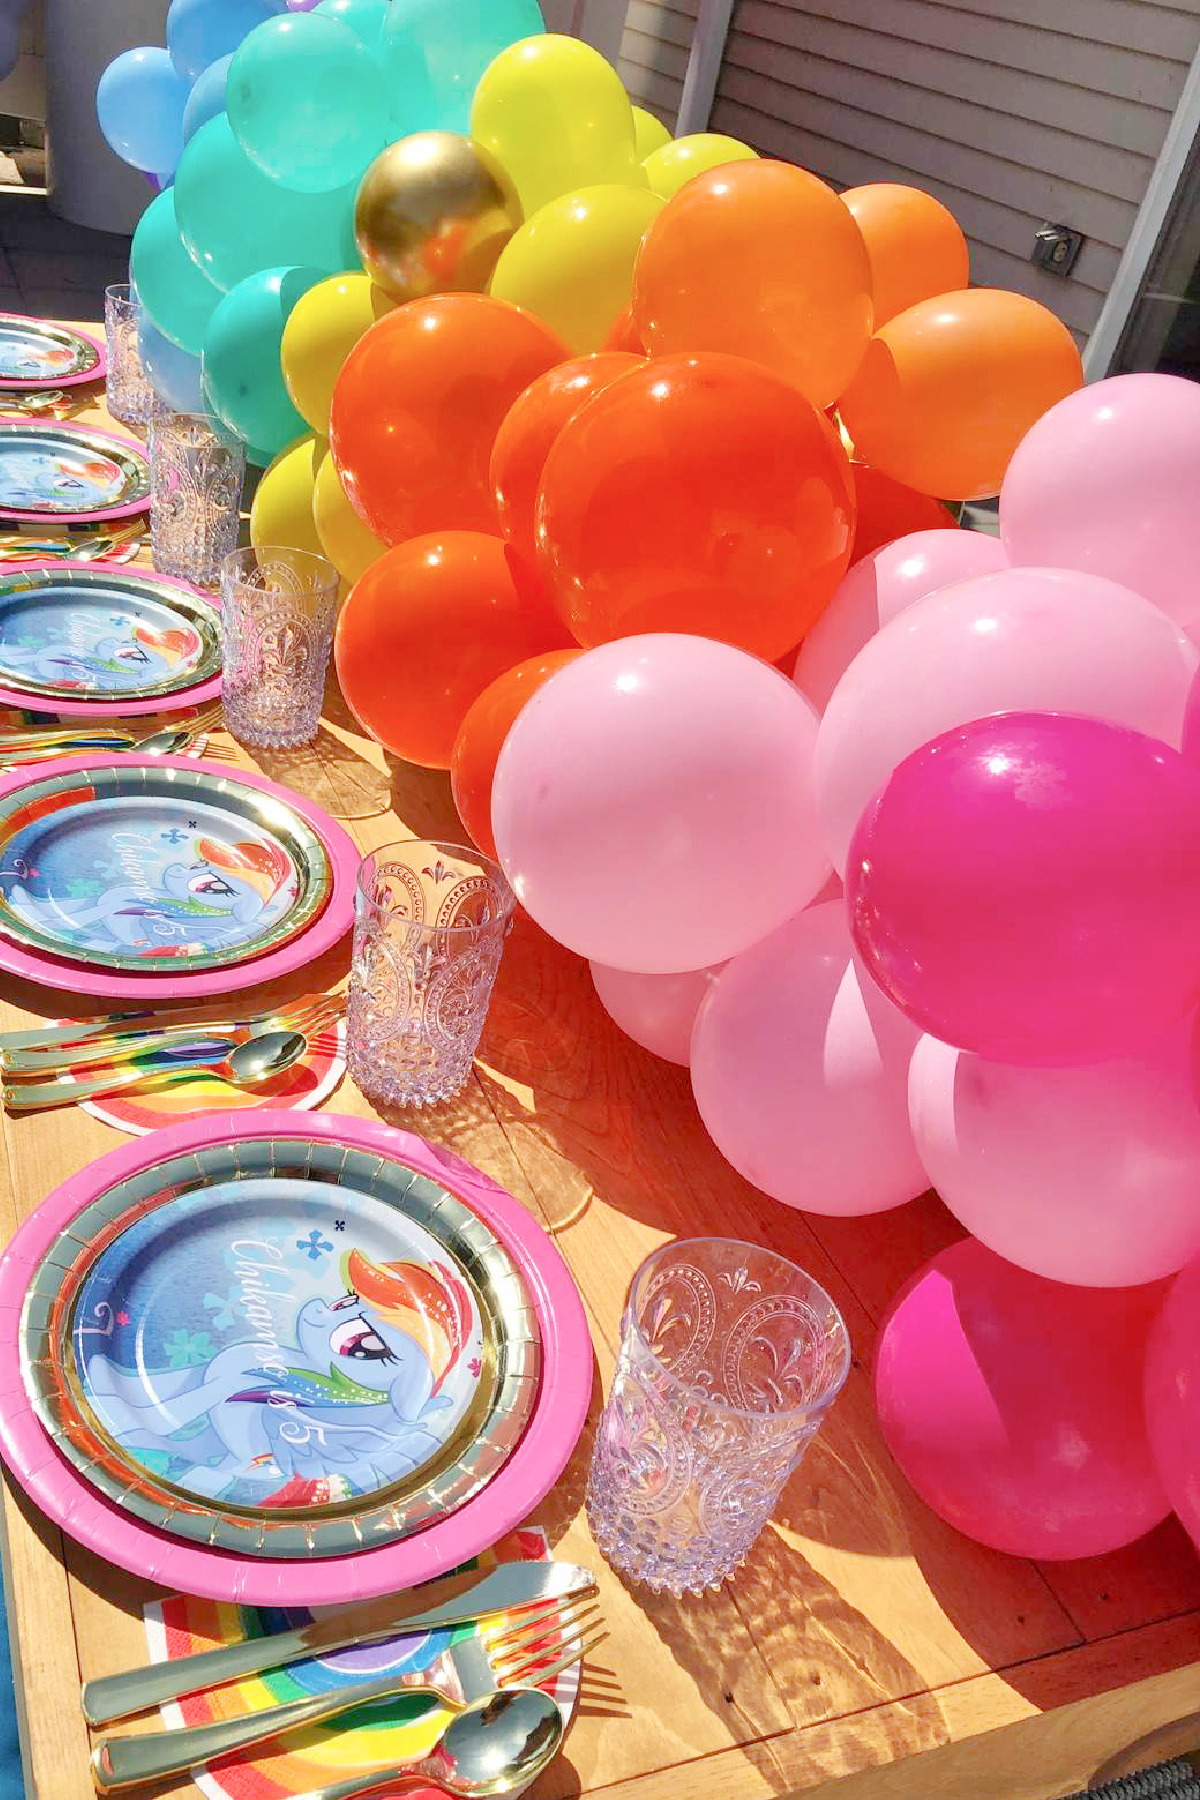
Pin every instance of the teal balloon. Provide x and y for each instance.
(235, 221)
(176, 296)
(307, 102)
(366, 18)
(434, 52)
(243, 378)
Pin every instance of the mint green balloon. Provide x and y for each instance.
(366, 19)
(177, 296)
(434, 52)
(235, 221)
(243, 377)
(307, 102)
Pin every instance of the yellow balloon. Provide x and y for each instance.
(282, 509)
(669, 167)
(324, 326)
(650, 133)
(572, 263)
(344, 539)
(555, 113)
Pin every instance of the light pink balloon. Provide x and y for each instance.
(799, 1068)
(656, 1011)
(653, 805)
(878, 588)
(1107, 481)
(1024, 640)
(1014, 1405)
(1173, 1397)
(1087, 1175)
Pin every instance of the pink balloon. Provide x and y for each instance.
(1014, 1405)
(1107, 481)
(1173, 1397)
(656, 1011)
(879, 587)
(1028, 887)
(1089, 1176)
(1038, 640)
(653, 805)
(799, 1068)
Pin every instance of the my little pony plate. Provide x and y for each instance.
(74, 632)
(282, 1348)
(144, 1169)
(34, 353)
(139, 867)
(76, 474)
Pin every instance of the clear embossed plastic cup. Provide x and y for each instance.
(430, 921)
(196, 481)
(127, 391)
(730, 1358)
(278, 609)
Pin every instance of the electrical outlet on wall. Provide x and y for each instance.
(1056, 248)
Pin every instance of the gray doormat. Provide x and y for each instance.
(1176, 1780)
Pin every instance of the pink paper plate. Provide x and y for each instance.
(112, 706)
(97, 515)
(116, 984)
(505, 1503)
(28, 384)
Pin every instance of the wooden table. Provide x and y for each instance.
(862, 1631)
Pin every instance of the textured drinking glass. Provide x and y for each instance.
(730, 1358)
(128, 393)
(430, 922)
(195, 496)
(278, 608)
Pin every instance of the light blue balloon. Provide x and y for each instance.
(307, 103)
(243, 378)
(174, 374)
(139, 105)
(200, 32)
(434, 52)
(366, 18)
(207, 98)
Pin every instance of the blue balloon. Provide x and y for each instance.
(207, 98)
(139, 104)
(200, 32)
(366, 19)
(434, 52)
(173, 373)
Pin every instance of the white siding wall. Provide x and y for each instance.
(1013, 112)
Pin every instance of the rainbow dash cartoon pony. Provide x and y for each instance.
(89, 654)
(350, 1407)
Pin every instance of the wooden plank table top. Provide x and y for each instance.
(862, 1631)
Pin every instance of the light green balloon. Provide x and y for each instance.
(366, 18)
(434, 52)
(307, 102)
(243, 378)
(177, 296)
(235, 221)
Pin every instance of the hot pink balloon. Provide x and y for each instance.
(653, 805)
(1045, 640)
(1107, 481)
(1089, 1176)
(656, 1011)
(877, 589)
(1014, 1405)
(1028, 887)
(799, 1068)
(1173, 1397)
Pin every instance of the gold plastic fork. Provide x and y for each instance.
(525, 1655)
(50, 739)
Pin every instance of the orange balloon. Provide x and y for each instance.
(762, 260)
(424, 631)
(948, 389)
(524, 440)
(481, 738)
(625, 335)
(701, 494)
(914, 244)
(418, 404)
(888, 510)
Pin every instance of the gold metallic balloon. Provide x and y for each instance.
(433, 213)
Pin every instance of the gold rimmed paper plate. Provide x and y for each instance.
(38, 353)
(140, 867)
(283, 1347)
(51, 469)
